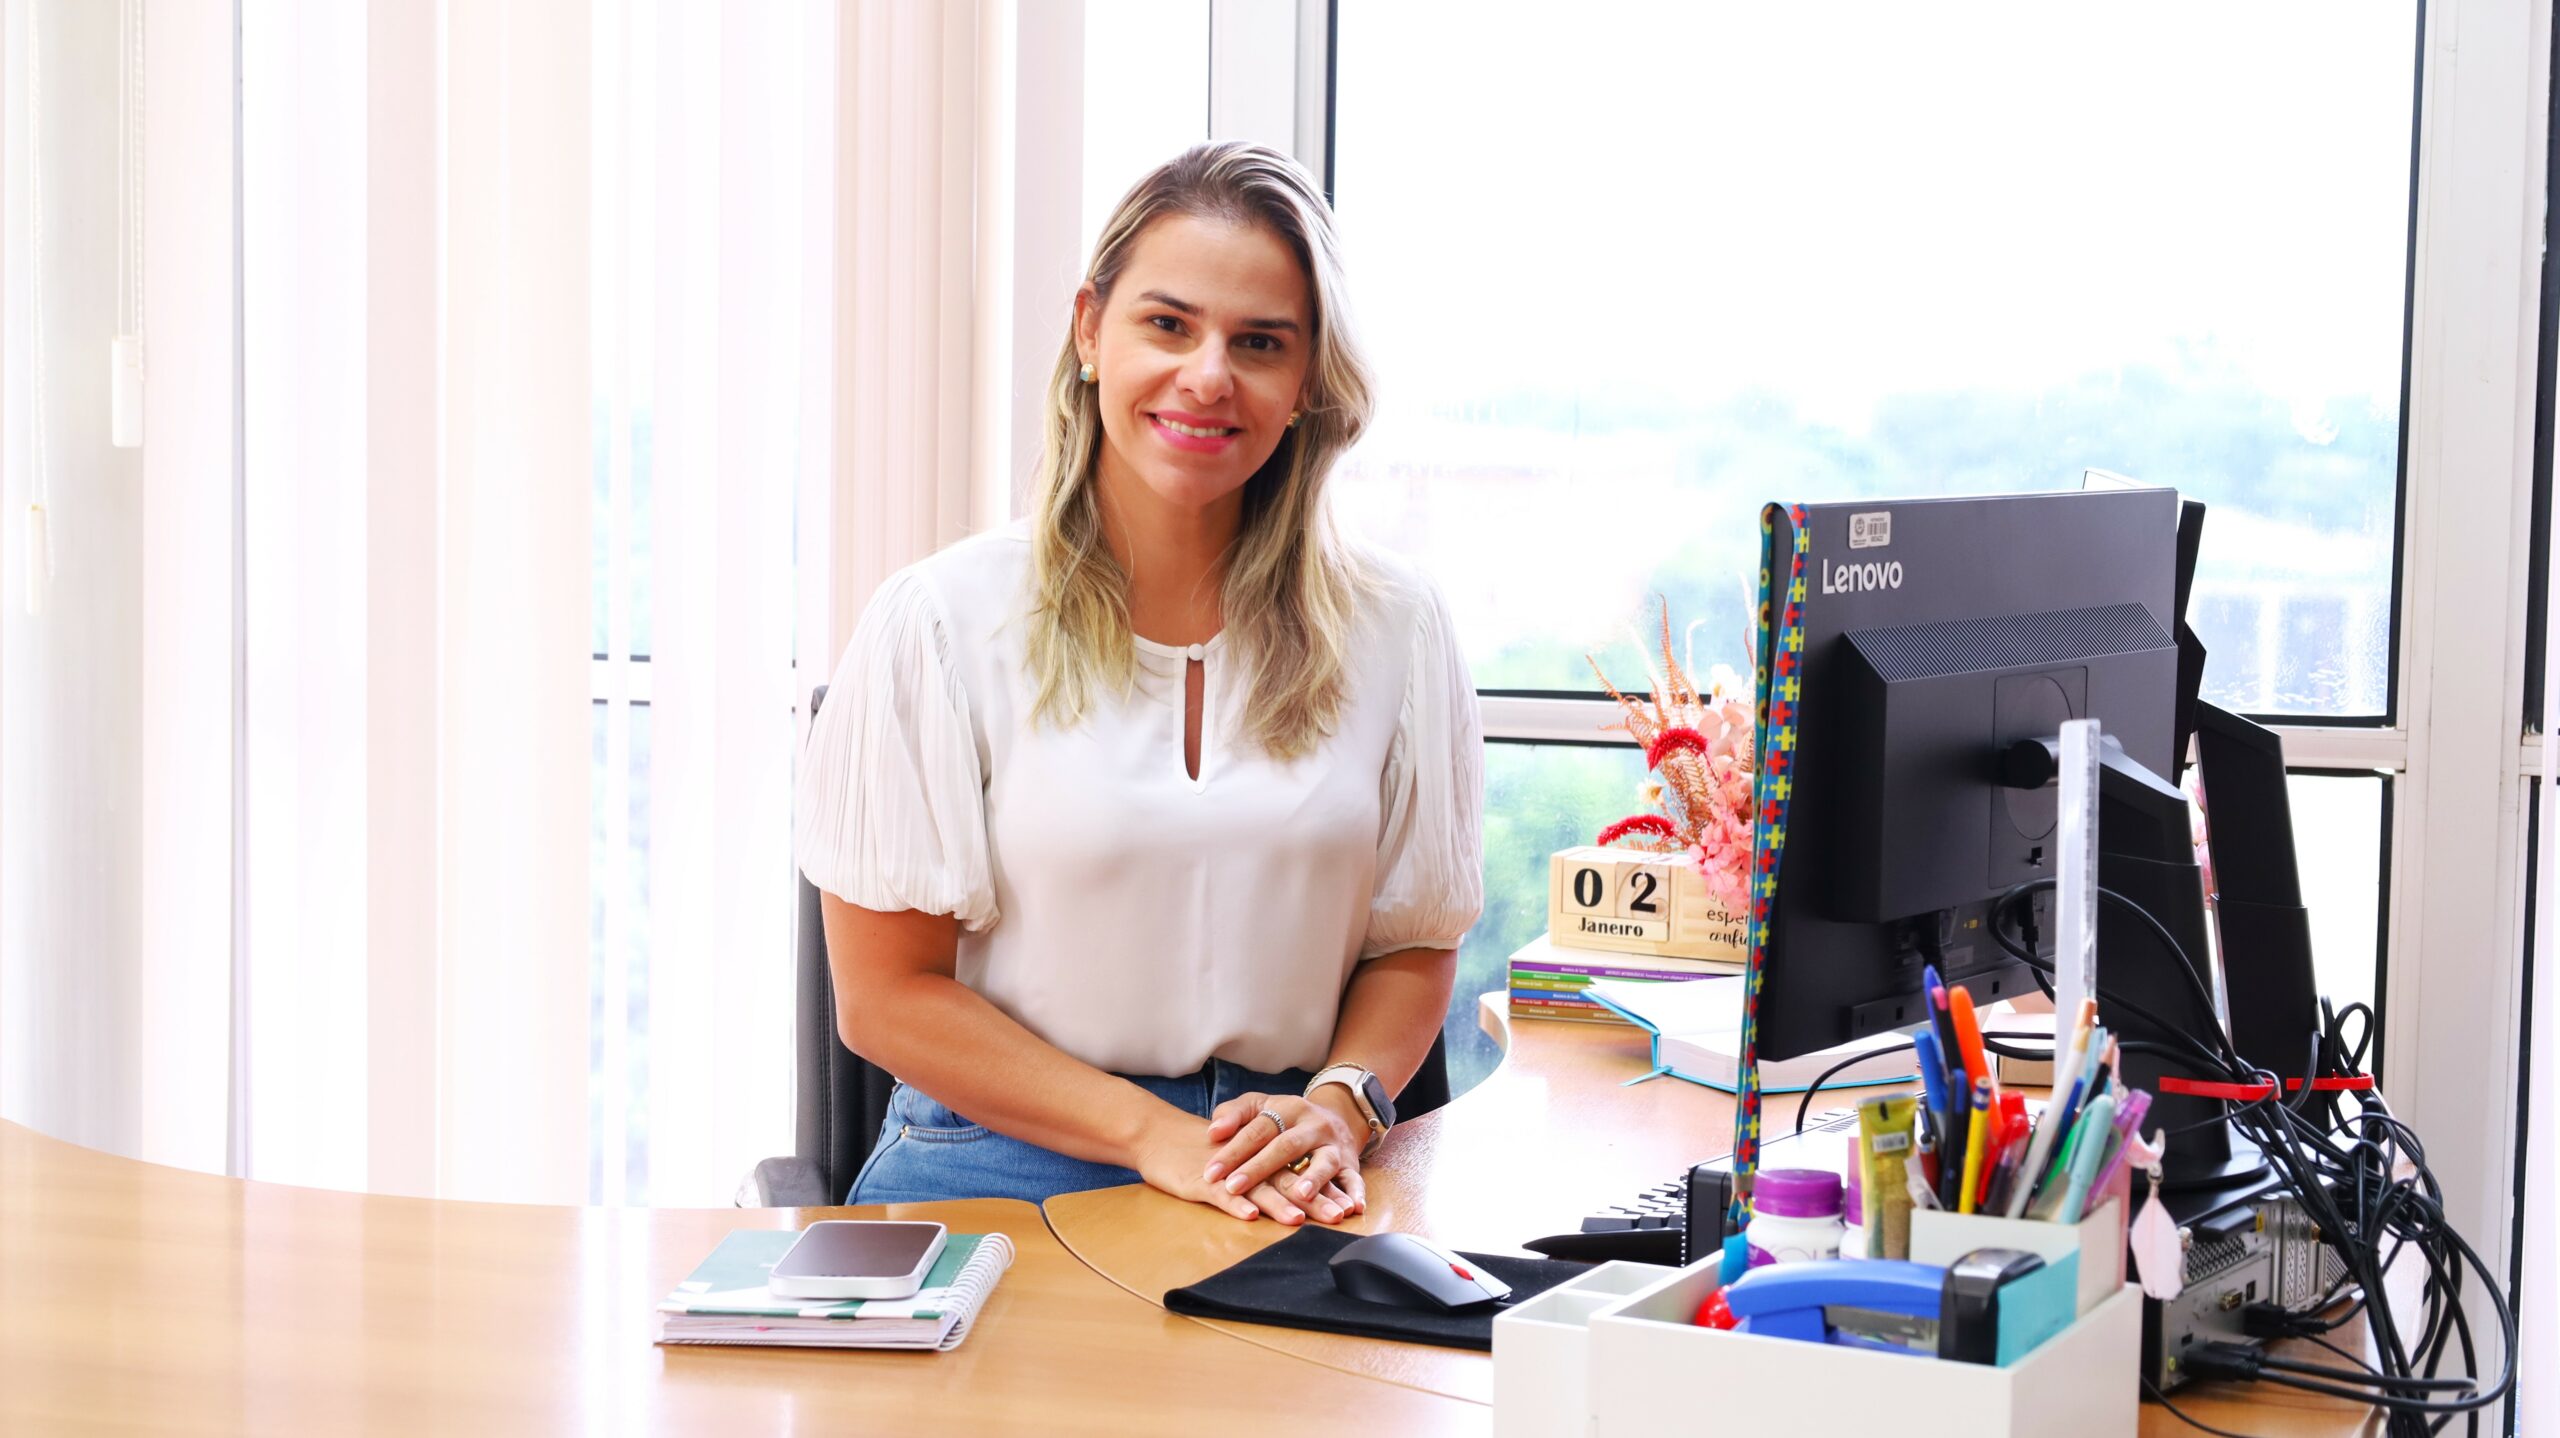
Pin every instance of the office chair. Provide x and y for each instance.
(841, 1098)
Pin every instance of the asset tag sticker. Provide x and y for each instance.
(1872, 530)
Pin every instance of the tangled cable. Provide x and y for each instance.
(2362, 1178)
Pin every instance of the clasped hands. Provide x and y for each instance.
(1237, 1161)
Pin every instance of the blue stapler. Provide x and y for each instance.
(1876, 1303)
(1968, 1311)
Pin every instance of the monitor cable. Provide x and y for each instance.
(2321, 1158)
(2386, 1213)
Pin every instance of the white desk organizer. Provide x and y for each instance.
(1541, 1351)
(1615, 1354)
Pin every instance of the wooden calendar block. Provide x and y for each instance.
(1626, 901)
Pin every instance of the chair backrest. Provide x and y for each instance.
(841, 1098)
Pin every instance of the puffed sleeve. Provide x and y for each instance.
(1430, 884)
(891, 813)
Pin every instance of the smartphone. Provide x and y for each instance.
(858, 1258)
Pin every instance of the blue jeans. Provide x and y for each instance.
(927, 1152)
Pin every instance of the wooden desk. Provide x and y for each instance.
(1548, 1137)
(141, 1299)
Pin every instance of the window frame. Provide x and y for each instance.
(2451, 746)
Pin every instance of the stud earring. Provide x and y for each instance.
(1085, 374)
(1293, 419)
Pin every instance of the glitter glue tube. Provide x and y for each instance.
(1884, 1143)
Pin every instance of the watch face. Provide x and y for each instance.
(1377, 1094)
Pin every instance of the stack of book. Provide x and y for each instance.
(1548, 980)
(1620, 914)
(726, 1300)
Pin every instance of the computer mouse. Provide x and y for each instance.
(1412, 1272)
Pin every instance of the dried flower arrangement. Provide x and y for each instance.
(1698, 757)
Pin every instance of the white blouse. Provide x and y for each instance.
(1139, 919)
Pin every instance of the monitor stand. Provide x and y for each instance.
(2146, 853)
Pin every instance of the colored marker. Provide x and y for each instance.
(2090, 1068)
(2094, 1128)
(1977, 1063)
(2008, 1148)
(2039, 1147)
(2129, 1116)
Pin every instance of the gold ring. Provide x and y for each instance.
(1300, 1166)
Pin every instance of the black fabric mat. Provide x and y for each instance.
(1289, 1285)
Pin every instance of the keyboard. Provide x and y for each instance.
(1655, 1225)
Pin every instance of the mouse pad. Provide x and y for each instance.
(1289, 1285)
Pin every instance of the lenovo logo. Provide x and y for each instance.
(1859, 578)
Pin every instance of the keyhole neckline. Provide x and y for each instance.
(1202, 650)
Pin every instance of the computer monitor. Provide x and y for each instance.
(1943, 639)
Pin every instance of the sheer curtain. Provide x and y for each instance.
(718, 332)
(601, 359)
(828, 198)
(399, 780)
(413, 980)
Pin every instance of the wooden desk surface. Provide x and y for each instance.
(1551, 1135)
(142, 1299)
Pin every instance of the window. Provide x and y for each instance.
(712, 324)
(1538, 798)
(1731, 256)
(1727, 259)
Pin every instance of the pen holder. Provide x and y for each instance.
(1652, 1371)
(1616, 1353)
(2099, 1239)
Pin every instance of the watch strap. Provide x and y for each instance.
(1357, 1080)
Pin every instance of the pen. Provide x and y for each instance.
(1977, 1063)
(2101, 1055)
(2048, 1198)
(2080, 1022)
(2044, 1140)
(2095, 1125)
(1974, 1142)
(2129, 1116)
(2083, 1089)
(2003, 1178)
(2011, 1120)
(1952, 1142)
(1933, 1075)
(1995, 1139)
(1950, 1053)
(2047, 1161)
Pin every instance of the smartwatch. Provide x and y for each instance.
(1366, 1092)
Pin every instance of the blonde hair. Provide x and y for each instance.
(1292, 586)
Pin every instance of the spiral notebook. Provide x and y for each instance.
(726, 1300)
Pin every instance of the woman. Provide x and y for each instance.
(1138, 817)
